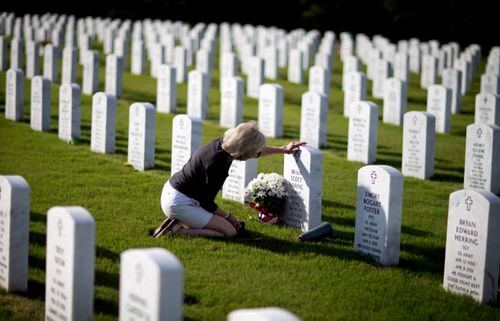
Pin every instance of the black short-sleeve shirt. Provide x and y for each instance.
(203, 175)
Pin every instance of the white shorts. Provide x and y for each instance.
(183, 208)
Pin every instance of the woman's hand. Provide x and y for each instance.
(234, 221)
(292, 147)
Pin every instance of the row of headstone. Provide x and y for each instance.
(151, 280)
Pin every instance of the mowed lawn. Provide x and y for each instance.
(268, 266)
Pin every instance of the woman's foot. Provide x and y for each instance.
(168, 227)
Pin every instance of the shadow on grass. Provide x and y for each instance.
(38, 217)
(424, 263)
(106, 307)
(446, 177)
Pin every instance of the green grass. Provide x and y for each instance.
(268, 266)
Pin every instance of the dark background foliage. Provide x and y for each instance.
(465, 22)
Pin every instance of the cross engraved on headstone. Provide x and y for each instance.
(468, 202)
(485, 99)
(59, 226)
(181, 124)
(359, 109)
(479, 132)
(373, 175)
(414, 120)
(138, 272)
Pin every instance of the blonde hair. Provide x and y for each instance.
(244, 141)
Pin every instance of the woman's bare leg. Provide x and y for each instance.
(216, 227)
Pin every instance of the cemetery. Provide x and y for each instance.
(402, 162)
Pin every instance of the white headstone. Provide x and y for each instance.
(379, 203)
(40, 103)
(472, 242)
(487, 109)
(303, 171)
(16, 54)
(14, 95)
(262, 314)
(395, 101)
(231, 102)
(186, 139)
(401, 66)
(3, 53)
(351, 64)
(429, 71)
(113, 77)
(197, 101)
(255, 76)
(482, 158)
(363, 130)
(14, 233)
(50, 65)
(319, 80)
(465, 68)
(452, 79)
(166, 89)
(90, 80)
(490, 83)
(355, 90)
(439, 105)
(419, 136)
(240, 174)
(138, 63)
(69, 289)
(382, 71)
(70, 101)
(180, 63)
(228, 66)
(295, 70)
(32, 59)
(151, 285)
(69, 65)
(103, 132)
(270, 118)
(314, 119)
(271, 63)
(141, 136)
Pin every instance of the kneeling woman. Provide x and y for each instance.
(188, 196)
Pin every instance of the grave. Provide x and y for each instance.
(379, 203)
(439, 105)
(363, 130)
(482, 158)
(151, 285)
(103, 132)
(231, 102)
(40, 103)
(70, 101)
(14, 233)
(472, 242)
(197, 100)
(14, 95)
(166, 89)
(395, 101)
(69, 288)
(270, 117)
(419, 137)
(141, 136)
(303, 171)
(240, 174)
(186, 139)
(314, 119)
(487, 109)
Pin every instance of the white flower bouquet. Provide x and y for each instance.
(268, 195)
